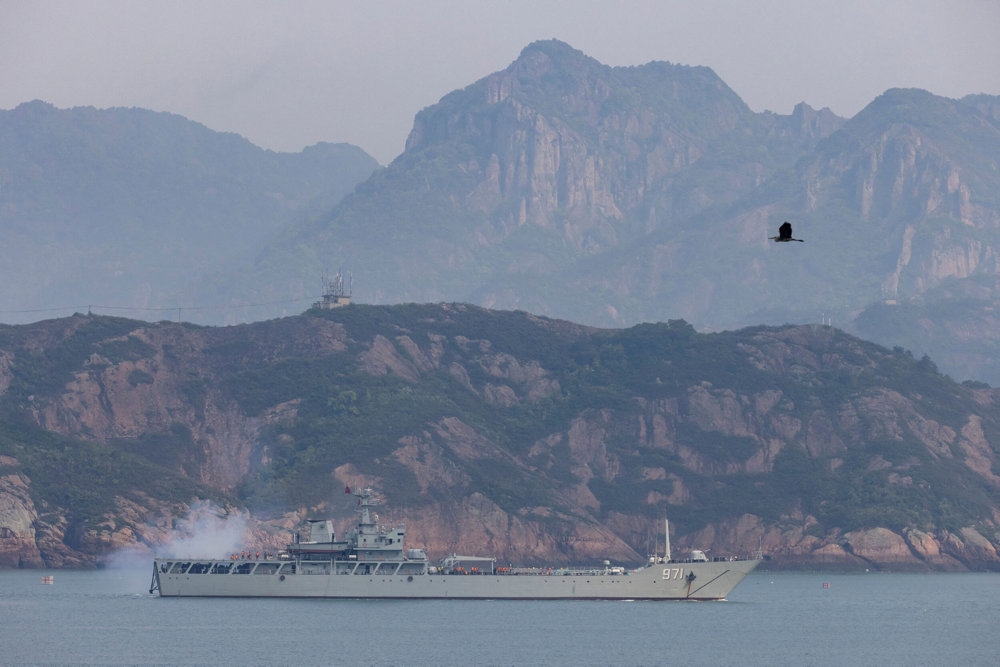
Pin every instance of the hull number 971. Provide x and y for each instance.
(673, 573)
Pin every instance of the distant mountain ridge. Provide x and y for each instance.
(126, 207)
(564, 187)
(613, 195)
(515, 183)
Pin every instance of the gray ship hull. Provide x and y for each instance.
(711, 580)
(371, 563)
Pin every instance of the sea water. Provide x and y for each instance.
(108, 617)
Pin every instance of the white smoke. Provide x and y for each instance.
(208, 531)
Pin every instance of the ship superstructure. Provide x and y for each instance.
(371, 562)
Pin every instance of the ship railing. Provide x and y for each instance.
(563, 571)
(456, 564)
(659, 560)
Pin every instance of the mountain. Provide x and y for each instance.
(910, 186)
(126, 207)
(528, 186)
(533, 439)
(617, 195)
(603, 195)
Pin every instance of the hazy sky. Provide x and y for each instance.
(289, 74)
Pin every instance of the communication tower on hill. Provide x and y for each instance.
(335, 293)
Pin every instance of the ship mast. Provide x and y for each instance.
(366, 499)
(666, 554)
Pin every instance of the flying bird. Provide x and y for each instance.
(784, 234)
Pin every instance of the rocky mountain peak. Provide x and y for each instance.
(545, 56)
(816, 123)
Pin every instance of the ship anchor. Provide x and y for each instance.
(690, 580)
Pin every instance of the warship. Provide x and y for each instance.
(371, 562)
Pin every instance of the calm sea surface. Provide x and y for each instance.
(770, 619)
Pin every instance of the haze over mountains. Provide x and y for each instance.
(127, 207)
(611, 196)
(561, 187)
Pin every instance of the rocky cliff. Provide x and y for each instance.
(532, 439)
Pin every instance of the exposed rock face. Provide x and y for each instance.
(813, 421)
(167, 381)
(18, 541)
(906, 173)
(591, 170)
(792, 546)
(478, 525)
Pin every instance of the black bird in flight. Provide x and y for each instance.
(784, 234)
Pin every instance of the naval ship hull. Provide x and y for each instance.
(711, 580)
(371, 563)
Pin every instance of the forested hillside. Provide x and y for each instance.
(489, 431)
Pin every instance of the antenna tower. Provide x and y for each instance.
(335, 293)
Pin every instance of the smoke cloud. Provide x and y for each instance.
(208, 531)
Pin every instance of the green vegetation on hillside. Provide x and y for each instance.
(81, 479)
(528, 411)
